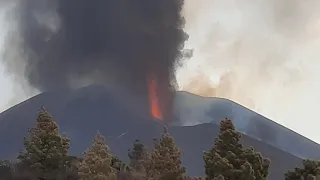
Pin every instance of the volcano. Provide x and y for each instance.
(81, 113)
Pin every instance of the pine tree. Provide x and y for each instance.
(138, 156)
(6, 170)
(45, 149)
(96, 164)
(118, 165)
(228, 160)
(193, 178)
(164, 161)
(72, 168)
(310, 171)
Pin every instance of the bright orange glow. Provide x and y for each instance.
(153, 99)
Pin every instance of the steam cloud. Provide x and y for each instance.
(261, 54)
(63, 43)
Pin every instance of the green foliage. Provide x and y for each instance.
(131, 176)
(164, 160)
(5, 163)
(72, 168)
(138, 156)
(46, 158)
(193, 178)
(228, 160)
(45, 149)
(310, 171)
(118, 165)
(6, 169)
(97, 161)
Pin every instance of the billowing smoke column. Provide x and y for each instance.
(122, 41)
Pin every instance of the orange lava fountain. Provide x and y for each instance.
(153, 99)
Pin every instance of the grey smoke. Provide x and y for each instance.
(59, 44)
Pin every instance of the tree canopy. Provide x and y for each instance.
(229, 160)
(165, 159)
(310, 171)
(46, 151)
(96, 163)
(138, 156)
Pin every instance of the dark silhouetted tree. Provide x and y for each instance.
(164, 160)
(123, 171)
(97, 161)
(118, 165)
(310, 171)
(72, 168)
(193, 178)
(45, 149)
(228, 160)
(138, 156)
(6, 170)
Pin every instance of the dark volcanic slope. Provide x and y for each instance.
(81, 113)
(197, 110)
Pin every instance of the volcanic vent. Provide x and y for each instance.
(135, 45)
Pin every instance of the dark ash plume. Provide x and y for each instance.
(122, 41)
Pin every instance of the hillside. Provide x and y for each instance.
(197, 110)
(81, 113)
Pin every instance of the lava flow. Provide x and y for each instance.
(153, 99)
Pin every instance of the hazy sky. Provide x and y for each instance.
(5, 82)
(262, 54)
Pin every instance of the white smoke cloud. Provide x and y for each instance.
(262, 54)
(13, 89)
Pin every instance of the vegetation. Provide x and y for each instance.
(96, 164)
(228, 159)
(45, 157)
(164, 161)
(310, 171)
(46, 151)
(138, 157)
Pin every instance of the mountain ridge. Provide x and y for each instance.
(81, 113)
(226, 108)
(231, 101)
(255, 125)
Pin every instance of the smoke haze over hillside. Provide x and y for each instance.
(261, 54)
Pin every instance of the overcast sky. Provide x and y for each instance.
(5, 81)
(262, 54)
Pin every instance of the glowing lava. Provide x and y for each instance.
(153, 99)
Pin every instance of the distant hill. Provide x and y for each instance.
(80, 113)
(197, 110)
